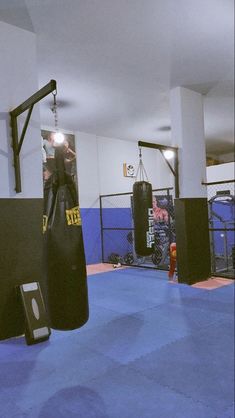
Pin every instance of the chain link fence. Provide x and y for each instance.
(221, 204)
(117, 232)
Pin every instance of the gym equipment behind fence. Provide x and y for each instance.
(221, 206)
(117, 230)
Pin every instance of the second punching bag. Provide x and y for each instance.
(67, 297)
(143, 218)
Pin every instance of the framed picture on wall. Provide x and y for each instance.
(128, 170)
(48, 154)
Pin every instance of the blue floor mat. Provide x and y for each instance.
(200, 366)
(188, 318)
(199, 303)
(119, 393)
(99, 316)
(128, 338)
(151, 349)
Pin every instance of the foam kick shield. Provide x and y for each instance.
(67, 295)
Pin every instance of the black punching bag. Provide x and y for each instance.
(67, 296)
(143, 218)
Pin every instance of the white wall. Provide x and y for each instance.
(87, 169)
(100, 167)
(220, 172)
(113, 153)
(18, 81)
(217, 173)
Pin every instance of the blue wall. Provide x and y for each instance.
(114, 241)
(117, 217)
(91, 234)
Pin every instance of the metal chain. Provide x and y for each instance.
(54, 110)
(141, 170)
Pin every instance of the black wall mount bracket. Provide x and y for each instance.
(162, 148)
(16, 142)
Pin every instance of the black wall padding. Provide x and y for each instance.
(192, 240)
(143, 218)
(21, 254)
(65, 257)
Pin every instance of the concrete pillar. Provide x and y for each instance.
(191, 213)
(187, 123)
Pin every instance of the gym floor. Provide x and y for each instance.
(151, 349)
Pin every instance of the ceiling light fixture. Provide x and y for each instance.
(168, 154)
(59, 137)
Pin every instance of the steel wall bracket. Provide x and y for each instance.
(161, 148)
(16, 142)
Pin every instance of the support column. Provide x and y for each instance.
(191, 210)
(187, 123)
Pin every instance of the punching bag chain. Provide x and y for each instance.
(54, 110)
(141, 169)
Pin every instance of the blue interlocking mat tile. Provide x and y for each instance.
(151, 349)
(199, 366)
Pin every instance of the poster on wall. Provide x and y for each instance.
(48, 154)
(163, 212)
(163, 208)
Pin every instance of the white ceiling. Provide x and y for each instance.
(115, 62)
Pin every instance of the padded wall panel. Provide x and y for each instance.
(192, 240)
(21, 258)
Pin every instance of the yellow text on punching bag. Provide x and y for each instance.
(44, 223)
(73, 216)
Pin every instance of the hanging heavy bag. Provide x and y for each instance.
(67, 296)
(143, 218)
(143, 213)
